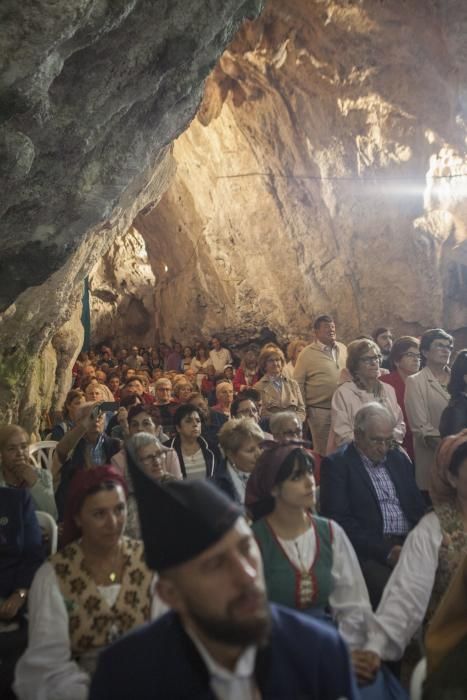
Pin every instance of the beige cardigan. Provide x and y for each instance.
(347, 400)
(290, 398)
(425, 400)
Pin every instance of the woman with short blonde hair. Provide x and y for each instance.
(278, 391)
(240, 440)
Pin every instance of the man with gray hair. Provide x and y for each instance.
(368, 487)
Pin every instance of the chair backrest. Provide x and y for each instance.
(417, 680)
(48, 524)
(42, 452)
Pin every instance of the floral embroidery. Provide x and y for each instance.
(77, 585)
(92, 624)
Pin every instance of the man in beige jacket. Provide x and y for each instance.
(317, 372)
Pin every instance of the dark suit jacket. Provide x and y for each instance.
(304, 659)
(21, 551)
(222, 479)
(347, 495)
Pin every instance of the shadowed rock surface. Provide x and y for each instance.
(92, 94)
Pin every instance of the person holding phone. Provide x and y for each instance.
(84, 447)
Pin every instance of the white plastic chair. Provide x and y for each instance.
(41, 453)
(417, 680)
(48, 524)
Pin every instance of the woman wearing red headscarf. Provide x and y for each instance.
(430, 556)
(91, 592)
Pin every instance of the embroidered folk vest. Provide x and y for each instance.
(288, 585)
(453, 547)
(92, 623)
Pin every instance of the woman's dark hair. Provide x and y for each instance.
(458, 370)
(429, 337)
(183, 411)
(236, 404)
(400, 347)
(300, 460)
(458, 457)
(71, 396)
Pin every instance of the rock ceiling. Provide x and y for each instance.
(325, 170)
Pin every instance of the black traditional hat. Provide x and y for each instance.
(179, 519)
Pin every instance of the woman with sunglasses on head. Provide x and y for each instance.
(309, 562)
(404, 360)
(87, 595)
(363, 365)
(426, 397)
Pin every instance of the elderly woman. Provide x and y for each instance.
(405, 361)
(196, 457)
(278, 392)
(182, 390)
(363, 358)
(19, 472)
(429, 557)
(87, 595)
(247, 374)
(21, 555)
(159, 462)
(426, 397)
(240, 440)
(73, 401)
(454, 417)
(309, 562)
(224, 397)
(140, 420)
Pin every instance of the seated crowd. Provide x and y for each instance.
(350, 463)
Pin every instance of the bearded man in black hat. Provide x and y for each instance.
(221, 638)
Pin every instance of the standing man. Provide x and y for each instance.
(219, 356)
(383, 339)
(317, 372)
(220, 639)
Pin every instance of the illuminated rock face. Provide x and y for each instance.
(91, 96)
(308, 181)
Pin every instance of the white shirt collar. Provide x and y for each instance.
(244, 667)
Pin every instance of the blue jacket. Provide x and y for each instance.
(304, 660)
(21, 550)
(347, 495)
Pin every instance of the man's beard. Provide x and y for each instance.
(228, 630)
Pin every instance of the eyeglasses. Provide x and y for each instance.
(247, 412)
(412, 355)
(371, 359)
(382, 442)
(293, 433)
(442, 346)
(154, 458)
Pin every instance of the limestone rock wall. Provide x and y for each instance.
(91, 96)
(326, 171)
(122, 294)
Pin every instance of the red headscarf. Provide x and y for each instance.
(83, 483)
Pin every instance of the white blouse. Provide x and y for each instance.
(349, 600)
(408, 590)
(46, 670)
